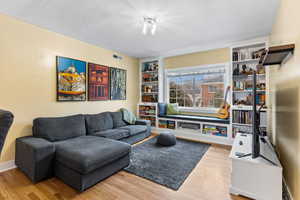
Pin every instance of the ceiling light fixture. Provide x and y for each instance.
(149, 25)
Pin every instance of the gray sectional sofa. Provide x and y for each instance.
(81, 150)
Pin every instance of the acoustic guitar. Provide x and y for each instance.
(223, 112)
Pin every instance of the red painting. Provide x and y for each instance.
(98, 83)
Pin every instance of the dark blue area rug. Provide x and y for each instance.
(168, 166)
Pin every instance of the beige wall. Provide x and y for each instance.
(28, 76)
(285, 92)
(199, 58)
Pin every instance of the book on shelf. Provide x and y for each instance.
(150, 118)
(150, 77)
(242, 117)
(214, 130)
(147, 110)
(246, 54)
(150, 98)
(166, 124)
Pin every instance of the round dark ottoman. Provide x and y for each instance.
(166, 139)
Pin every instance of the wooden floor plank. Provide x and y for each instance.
(209, 180)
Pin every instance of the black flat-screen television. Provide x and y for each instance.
(255, 122)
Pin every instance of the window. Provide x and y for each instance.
(197, 88)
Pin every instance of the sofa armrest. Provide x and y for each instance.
(35, 157)
(143, 122)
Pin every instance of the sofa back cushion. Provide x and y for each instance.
(59, 128)
(118, 119)
(98, 122)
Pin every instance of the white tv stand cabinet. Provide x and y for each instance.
(255, 178)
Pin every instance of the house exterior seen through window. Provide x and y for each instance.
(198, 90)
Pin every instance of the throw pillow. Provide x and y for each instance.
(173, 109)
(162, 109)
(128, 116)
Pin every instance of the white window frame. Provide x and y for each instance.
(198, 69)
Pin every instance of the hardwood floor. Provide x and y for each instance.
(208, 181)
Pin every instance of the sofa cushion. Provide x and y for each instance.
(115, 134)
(118, 119)
(87, 153)
(59, 128)
(135, 129)
(98, 122)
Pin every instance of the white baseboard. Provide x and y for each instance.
(288, 189)
(7, 165)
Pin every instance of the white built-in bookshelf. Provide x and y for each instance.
(243, 61)
(242, 57)
(151, 79)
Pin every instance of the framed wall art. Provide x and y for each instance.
(98, 82)
(71, 79)
(117, 84)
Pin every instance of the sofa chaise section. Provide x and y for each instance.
(35, 154)
(77, 159)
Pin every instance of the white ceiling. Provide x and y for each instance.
(117, 24)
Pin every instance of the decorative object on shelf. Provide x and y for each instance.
(244, 67)
(150, 67)
(236, 71)
(71, 79)
(117, 84)
(149, 25)
(260, 69)
(258, 54)
(98, 82)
